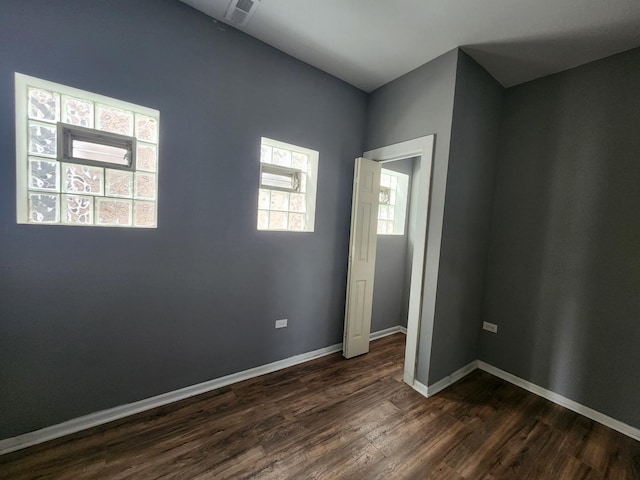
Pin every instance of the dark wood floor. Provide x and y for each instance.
(342, 419)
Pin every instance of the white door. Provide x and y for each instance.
(362, 257)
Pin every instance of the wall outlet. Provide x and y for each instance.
(491, 327)
(281, 323)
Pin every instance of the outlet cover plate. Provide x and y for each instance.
(491, 327)
(281, 323)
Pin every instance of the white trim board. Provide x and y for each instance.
(105, 416)
(386, 332)
(429, 391)
(562, 401)
(421, 388)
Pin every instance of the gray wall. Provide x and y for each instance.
(391, 288)
(563, 277)
(417, 104)
(467, 214)
(456, 99)
(91, 318)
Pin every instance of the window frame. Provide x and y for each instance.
(313, 157)
(294, 173)
(67, 133)
(23, 191)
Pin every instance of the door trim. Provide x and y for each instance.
(421, 273)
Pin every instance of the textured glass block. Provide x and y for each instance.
(113, 212)
(146, 157)
(383, 212)
(44, 208)
(145, 186)
(382, 227)
(42, 139)
(118, 183)
(146, 128)
(279, 200)
(263, 220)
(264, 199)
(77, 209)
(281, 157)
(114, 120)
(77, 112)
(385, 180)
(144, 214)
(303, 184)
(296, 222)
(300, 161)
(385, 196)
(82, 179)
(394, 181)
(297, 202)
(44, 175)
(391, 214)
(278, 220)
(389, 226)
(392, 197)
(266, 153)
(44, 105)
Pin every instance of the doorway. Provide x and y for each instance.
(422, 150)
(394, 249)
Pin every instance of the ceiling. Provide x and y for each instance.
(368, 43)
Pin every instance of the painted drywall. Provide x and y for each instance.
(467, 213)
(391, 286)
(92, 318)
(417, 104)
(563, 273)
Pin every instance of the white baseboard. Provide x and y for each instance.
(421, 388)
(563, 401)
(451, 379)
(387, 331)
(105, 416)
(447, 381)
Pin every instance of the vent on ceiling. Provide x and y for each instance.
(241, 11)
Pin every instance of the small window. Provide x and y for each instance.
(287, 190)
(93, 147)
(280, 178)
(84, 159)
(392, 205)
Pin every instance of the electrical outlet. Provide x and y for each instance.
(281, 323)
(491, 327)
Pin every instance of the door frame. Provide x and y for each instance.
(422, 147)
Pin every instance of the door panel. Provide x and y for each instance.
(364, 227)
(362, 257)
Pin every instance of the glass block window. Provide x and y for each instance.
(392, 206)
(287, 187)
(84, 159)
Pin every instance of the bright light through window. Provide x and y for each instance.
(84, 159)
(392, 209)
(287, 194)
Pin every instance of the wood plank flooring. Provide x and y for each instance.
(342, 419)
